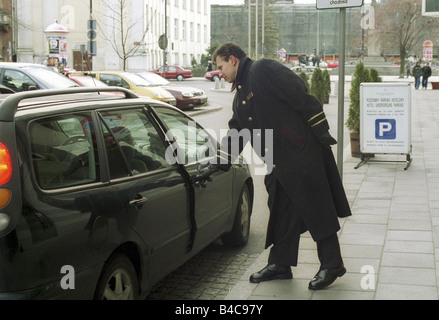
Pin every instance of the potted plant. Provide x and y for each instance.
(361, 75)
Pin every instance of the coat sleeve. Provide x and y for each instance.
(273, 79)
(231, 145)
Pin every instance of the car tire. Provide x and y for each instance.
(239, 235)
(180, 77)
(214, 78)
(118, 280)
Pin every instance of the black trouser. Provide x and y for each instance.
(285, 228)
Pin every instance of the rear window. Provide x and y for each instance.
(64, 151)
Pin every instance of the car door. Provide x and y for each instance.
(171, 72)
(153, 191)
(191, 147)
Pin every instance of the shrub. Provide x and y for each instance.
(305, 79)
(317, 85)
(360, 76)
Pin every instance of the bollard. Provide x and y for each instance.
(223, 83)
(217, 84)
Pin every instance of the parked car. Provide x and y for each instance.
(307, 70)
(28, 76)
(87, 81)
(101, 196)
(333, 65)
(134, 83)
(187, 97)
(212, 75)
(174, 72)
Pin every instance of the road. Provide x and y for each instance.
(214, 271)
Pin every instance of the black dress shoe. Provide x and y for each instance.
(272, 272)
(325, 277)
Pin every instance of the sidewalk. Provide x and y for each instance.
(390, 245)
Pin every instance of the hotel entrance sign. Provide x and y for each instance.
(335, 4)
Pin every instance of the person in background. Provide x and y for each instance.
(426, 73)
(417, 73)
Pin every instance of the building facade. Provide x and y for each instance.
(127, 31)
(302, 29)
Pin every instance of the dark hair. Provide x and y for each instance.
(229, 49)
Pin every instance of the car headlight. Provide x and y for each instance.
(158, 95)
(188, 94)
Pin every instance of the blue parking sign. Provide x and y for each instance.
(385, 129)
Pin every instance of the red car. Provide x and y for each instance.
(212, 75)
(174, 72)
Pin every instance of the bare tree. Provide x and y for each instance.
(400, 24)
(123, 38)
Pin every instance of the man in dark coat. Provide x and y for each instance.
(426, 73)
(304, 186)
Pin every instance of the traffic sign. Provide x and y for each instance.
(91, 48)
(163, 42)
(334, 4)
(91, 34)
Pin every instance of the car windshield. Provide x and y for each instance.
(136, 80)
(90, 82)
(51, 79)
(154, 79)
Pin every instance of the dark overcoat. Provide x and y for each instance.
(269, 96)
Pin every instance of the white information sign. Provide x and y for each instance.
(385, 118)
(333, 4)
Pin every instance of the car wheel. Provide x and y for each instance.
(239, 235)
(180, 77)
(118, 280)
(214, 78)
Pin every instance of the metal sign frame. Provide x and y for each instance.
(385, 121)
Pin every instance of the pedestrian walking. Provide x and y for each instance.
(417, 73)
(426, 73)
(304, 188)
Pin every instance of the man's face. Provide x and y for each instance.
(227, 69)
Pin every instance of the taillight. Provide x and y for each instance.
(5, 196)
(5, 164)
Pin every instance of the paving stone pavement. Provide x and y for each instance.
(210, 275)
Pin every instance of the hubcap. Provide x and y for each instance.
(119, 286)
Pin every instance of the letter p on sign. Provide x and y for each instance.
(385, 129)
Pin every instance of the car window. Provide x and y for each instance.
(172, 69)
(132, 142)
(17, 81)
(193, 142)
(113, 81)
(64, 151)
(50, 79)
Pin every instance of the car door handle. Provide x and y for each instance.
(138, 201)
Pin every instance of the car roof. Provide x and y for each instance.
(21, 65)
(43, 98)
